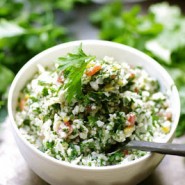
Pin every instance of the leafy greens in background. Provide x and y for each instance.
(160, 33)
(26, 28)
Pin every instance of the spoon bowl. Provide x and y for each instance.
(162, 148)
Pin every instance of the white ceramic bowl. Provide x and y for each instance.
(62, 173)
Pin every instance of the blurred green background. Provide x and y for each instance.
(27, 27)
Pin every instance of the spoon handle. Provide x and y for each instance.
(162, 148)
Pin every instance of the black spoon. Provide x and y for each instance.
(162, 148)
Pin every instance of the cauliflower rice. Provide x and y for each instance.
(119, 102)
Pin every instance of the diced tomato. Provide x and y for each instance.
(136, 90)
(59, 79)
(88, 109)
(125, 152)
(67, 123)
(132, 75)
(168, 115)
(93, 71)
(131, 119)
(22, 104)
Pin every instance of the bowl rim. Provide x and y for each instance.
(73, 44)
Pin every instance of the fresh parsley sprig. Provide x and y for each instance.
(73, 65)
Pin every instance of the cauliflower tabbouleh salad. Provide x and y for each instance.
(77, 109)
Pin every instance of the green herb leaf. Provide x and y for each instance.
(6, 76)
(181, 127)
(68, 4)
(74, 65)
(3, 114)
